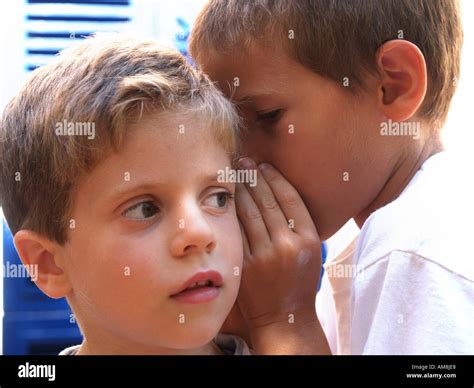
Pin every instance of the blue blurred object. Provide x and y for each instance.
(181, 38)
(324, 252)
(33, 323)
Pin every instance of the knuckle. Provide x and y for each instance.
(269, 204)
(290, 200)
(285, 246)
(253, 214)
(311, 242)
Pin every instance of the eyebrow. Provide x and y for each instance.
(126, 190)
(254, 97)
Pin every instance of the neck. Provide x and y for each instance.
(104, 347)
(403, 171)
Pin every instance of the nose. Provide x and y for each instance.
(193, 233)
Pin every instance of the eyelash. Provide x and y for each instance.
(131, 208)
(270, 117)
(229, 196)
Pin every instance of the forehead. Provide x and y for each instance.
(157, 151)
(175, 142)
(256, 71)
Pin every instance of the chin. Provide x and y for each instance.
(183, 338)
(193, 336)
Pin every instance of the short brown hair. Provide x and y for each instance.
(110, 80)
(339, 39)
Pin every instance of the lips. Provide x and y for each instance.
(200, 288)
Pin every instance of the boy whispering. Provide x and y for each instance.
(347, 100)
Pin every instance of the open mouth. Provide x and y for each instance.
(207, 283)
(200, 288)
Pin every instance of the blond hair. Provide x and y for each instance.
(110, 80)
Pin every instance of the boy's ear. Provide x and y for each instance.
(402, 87)
(40, 253)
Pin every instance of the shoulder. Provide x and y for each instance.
(71, 351)
(431, 220)
(407, 304)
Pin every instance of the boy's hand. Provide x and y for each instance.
(282, 265)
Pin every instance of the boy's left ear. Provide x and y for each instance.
(402, 87)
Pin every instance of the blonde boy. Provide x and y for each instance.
(109, 165)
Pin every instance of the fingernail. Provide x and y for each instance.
(246, 163)
(263, 166)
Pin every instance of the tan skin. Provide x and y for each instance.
(135, 224)
(334, 132)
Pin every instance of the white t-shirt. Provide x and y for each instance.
(406, 285)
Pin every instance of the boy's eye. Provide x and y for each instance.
(271, 117)
(219, 200)
(141, 211)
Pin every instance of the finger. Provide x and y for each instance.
(251, 218)
(245, 242)
(262, 194)
(289, 200)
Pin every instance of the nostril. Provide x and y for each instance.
(210, 247)
(190, 248)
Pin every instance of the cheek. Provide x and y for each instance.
(254, 144)
(230, 240)
(229, 255)
(118, 267)
(140, 261)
